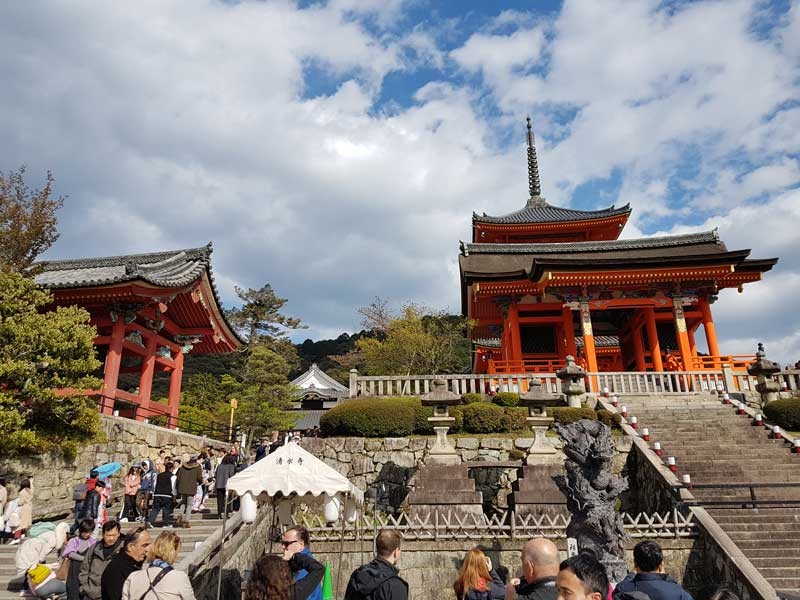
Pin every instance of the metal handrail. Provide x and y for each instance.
(752, 486)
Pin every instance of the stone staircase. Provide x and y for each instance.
(446, 488)
(203, 524)
(712, 444)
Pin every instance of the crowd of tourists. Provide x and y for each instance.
(541, 575)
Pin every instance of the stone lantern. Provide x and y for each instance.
(441, 399)
(572, 378)
(763, 370)
(537, 399)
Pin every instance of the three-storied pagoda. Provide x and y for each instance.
(543, 282)
(149, 310)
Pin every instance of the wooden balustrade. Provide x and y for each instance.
(738, 362)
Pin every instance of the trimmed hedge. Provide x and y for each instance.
(371, 417)
(784, 412)
(383, 417)
(606, 417)
(506, 399)
(516, 418)
(566, 415)
(483, 417)
(471, 398)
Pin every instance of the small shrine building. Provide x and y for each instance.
(149, 310)
(543, 282)
(317, 392)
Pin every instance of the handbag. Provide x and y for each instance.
(155, 581)
(63, 569)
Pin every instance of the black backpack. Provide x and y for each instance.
(79, 491)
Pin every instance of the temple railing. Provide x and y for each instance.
(738, 362)
(620, 383)
(447, 525)
(529, 365)
(656, 382)
(415, 385)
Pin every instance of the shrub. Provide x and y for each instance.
(506, 399)
(609, 418)
(566, 415)
(515, 418)
(784, 412)
(516, 454)
(471, 398)
(483, 417)
(371, 417)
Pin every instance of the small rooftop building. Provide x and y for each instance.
(149, 310)
(317, 393)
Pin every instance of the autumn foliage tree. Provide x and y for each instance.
(27, 220)
(416, 340)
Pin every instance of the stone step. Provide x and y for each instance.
(445, 485)
(791, 529)
(773, 553)
(760, 563)
(435, 497)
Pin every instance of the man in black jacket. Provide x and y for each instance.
(379, 579)
(649, 576)
(539, 571)
(130, 559)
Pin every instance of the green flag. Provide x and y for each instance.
(327, 583)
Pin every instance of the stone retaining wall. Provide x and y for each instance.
(390, 463)
(126, 441)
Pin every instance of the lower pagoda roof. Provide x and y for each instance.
(532, 261)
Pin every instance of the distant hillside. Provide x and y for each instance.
(219, 364)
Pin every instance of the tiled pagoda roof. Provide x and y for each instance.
(537, 210)
(170, 269)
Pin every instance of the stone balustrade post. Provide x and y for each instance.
(727, 379)
(353, 383)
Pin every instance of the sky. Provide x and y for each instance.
(337, 149)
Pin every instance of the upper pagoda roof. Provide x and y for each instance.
(317, 380)
(537, 210)
(176, 268)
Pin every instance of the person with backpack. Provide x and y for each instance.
(163, 497)
(97, 559)
(159, 581)
(79, 493)
(379, 579)
(188, 477)
(225, 471)
(145, 493)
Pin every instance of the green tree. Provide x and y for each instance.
(266, 394)
(417, 341)
(27, 220)
(261, 321)
(42, 351)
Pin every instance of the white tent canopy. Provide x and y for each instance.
(291, 469)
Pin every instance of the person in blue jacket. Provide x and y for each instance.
(649, 576)
(296, 541)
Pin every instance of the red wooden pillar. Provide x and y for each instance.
(682, 335)
(561, 342)
(588, 338)
(512, 325)
(638, 348)
(708, 326)
(146, 378)
(175, 390)
(652, 337)
(113, 362)
(569, 331)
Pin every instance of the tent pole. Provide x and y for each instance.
(341, 544)
(222, 547)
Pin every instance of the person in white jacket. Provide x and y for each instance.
(159, 581)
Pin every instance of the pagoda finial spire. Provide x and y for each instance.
(533, 166)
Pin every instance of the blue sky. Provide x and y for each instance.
(337, 149)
